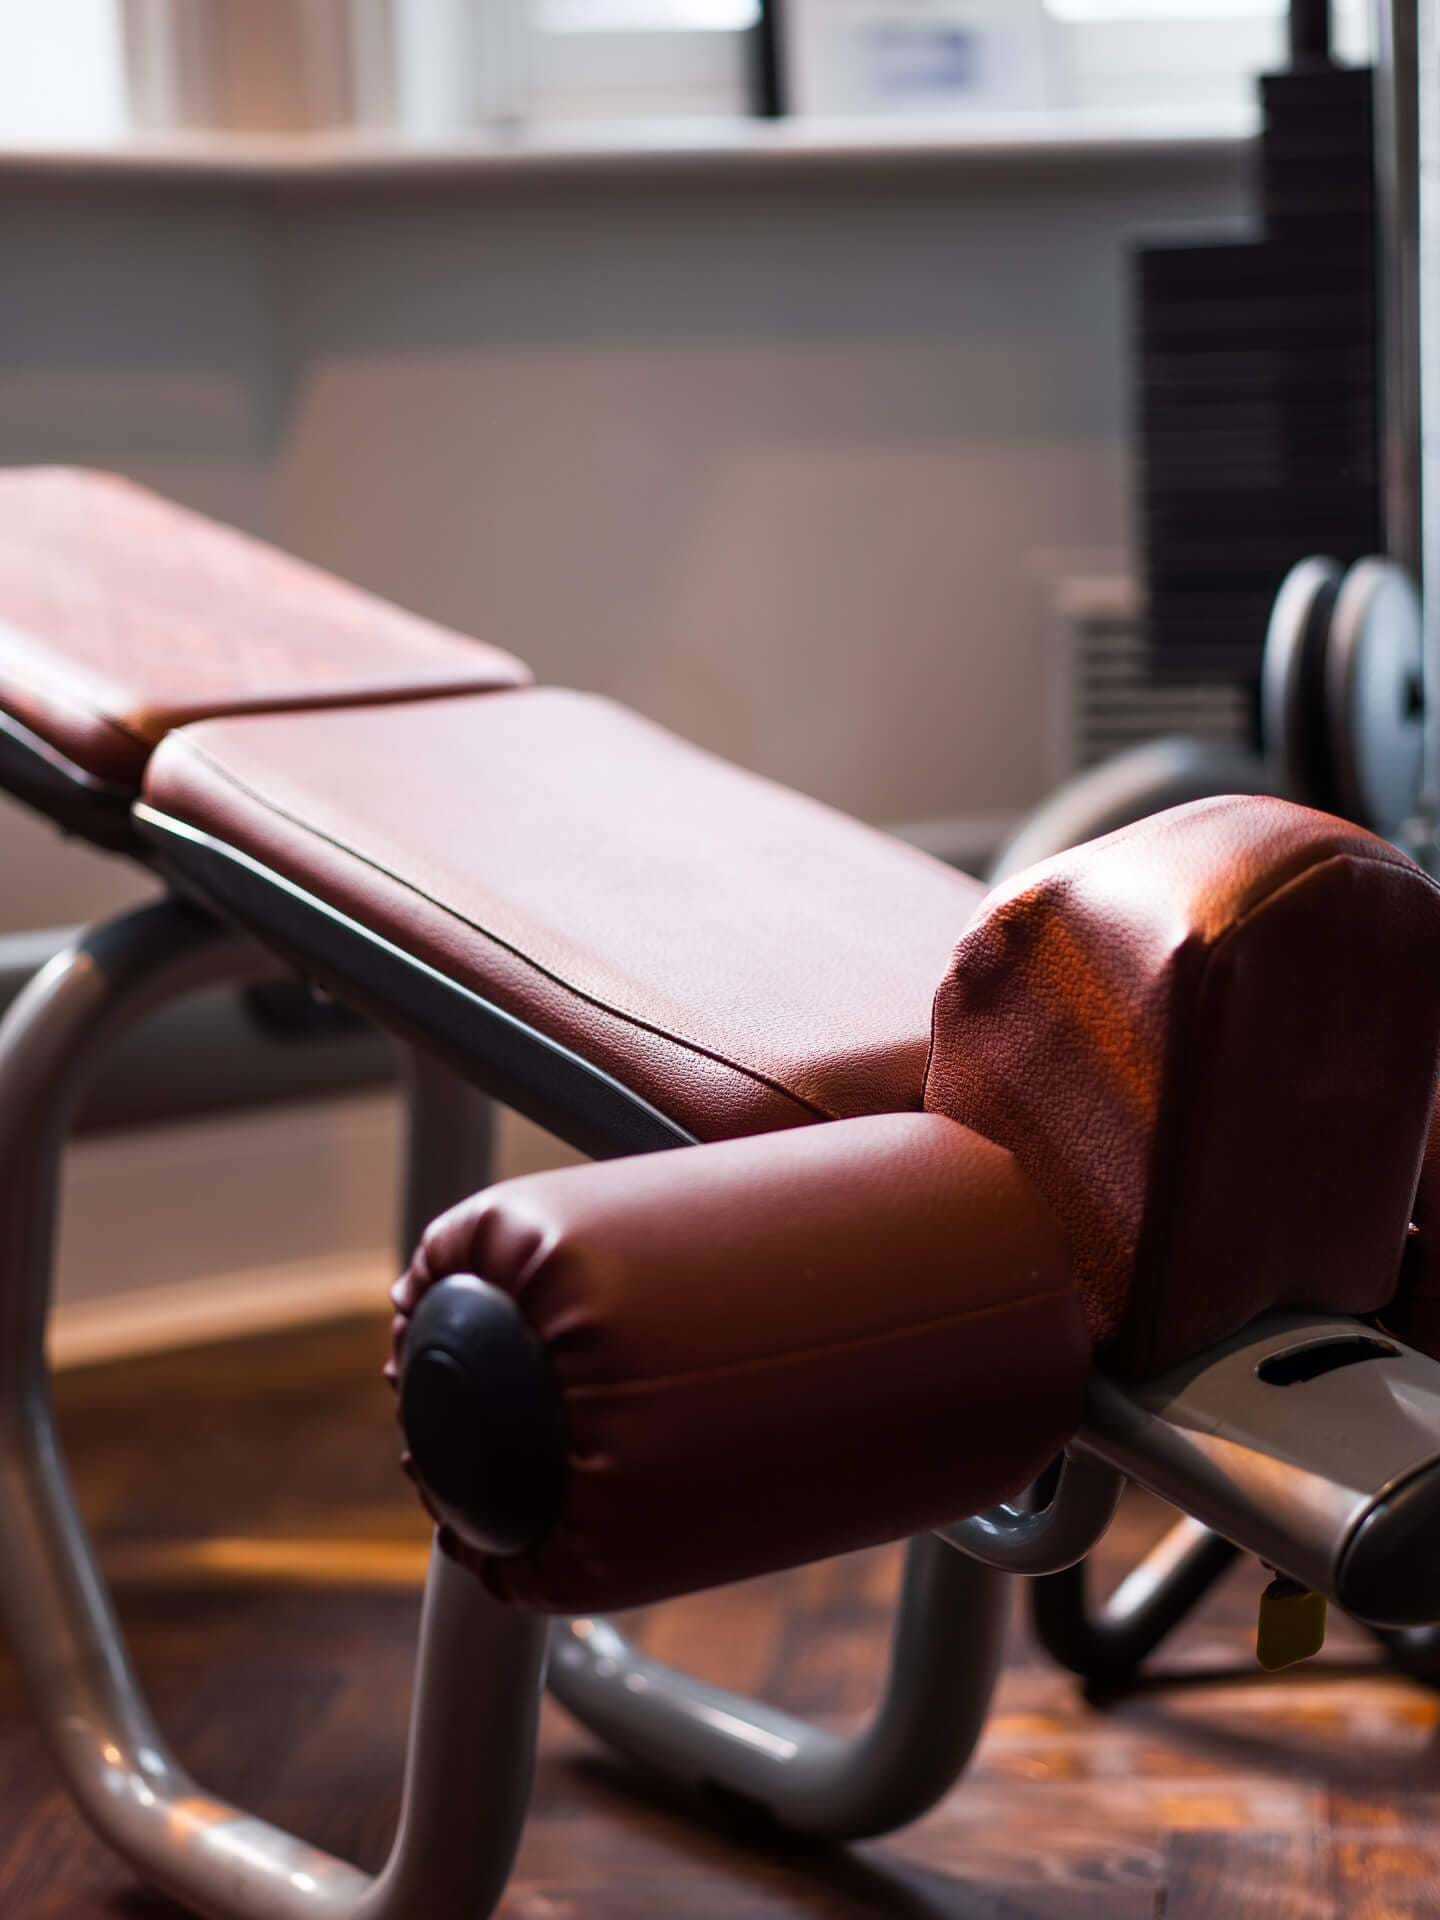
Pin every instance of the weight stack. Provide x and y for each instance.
(1258, 384)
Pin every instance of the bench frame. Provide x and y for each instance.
(480, 1665)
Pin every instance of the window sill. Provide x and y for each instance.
(671, 147)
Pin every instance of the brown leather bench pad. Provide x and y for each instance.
(1210, 1039)
(123, 615)
(740, 956)
(772, 1351)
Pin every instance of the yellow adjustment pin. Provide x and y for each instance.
(1292, 1624)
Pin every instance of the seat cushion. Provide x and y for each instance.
(122, 616)
(1210, 1040)
(740, 956)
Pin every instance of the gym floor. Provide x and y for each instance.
(267, 1555)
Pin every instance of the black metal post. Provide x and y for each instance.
(1309, 33)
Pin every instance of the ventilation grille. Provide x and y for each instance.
(1115, 702)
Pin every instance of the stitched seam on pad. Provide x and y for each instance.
(38, 690)
(335, 702)
(316, 703)
(786, 1356)
(753, 1074)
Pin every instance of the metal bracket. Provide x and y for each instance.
(1048, 1538)
(1312, 1442)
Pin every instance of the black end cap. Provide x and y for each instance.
(483, 1416)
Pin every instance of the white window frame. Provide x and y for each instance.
(666, 58)
(62, 73)
(1170, 54)
(448, 68)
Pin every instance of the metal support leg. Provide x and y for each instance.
(1107, 1646)
(477, 1693)
(449, 1144)
(949, 1640)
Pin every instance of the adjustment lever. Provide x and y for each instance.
(1291, 1627)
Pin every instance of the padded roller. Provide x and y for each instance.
(763, 1352)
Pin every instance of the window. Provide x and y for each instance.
(1182, 53)
(62, 73)
(91, 71)
(628, 16)
(611, 59)
(905, 56)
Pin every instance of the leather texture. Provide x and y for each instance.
(772, 1351)
(1210, 1040)
(122, 616)
(742, 957)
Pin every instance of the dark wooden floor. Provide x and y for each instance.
(267, 1557)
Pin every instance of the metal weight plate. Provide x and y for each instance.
(1374, 691)
(1294, 715)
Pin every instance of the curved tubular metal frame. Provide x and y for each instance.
(1107, 1645)
(479, 1665)
(945, 1658)
(1046, 1539)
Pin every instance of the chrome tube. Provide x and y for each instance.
(1046, 1539)
(945, 1659)
(477, 1692)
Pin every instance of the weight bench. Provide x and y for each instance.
(1115, 1167)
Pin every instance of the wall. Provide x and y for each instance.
(774, 467)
